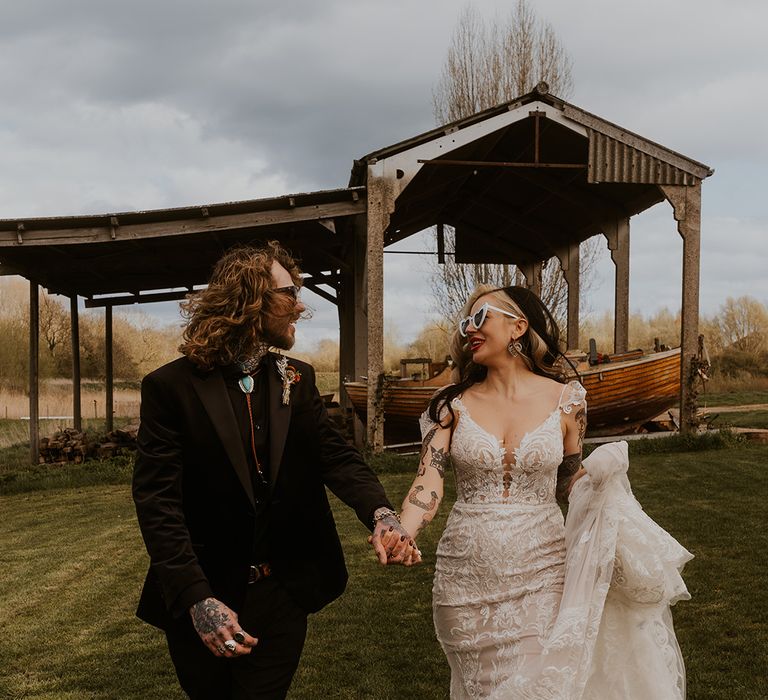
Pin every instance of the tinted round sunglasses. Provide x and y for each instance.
(291, 290)
(478, 318)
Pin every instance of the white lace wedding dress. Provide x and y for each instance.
(527, 607)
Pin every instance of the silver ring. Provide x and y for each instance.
(239, 637)
(231, 645)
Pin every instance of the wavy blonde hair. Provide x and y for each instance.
(540, 344)
(226, 319)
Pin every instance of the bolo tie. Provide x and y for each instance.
(246, 384)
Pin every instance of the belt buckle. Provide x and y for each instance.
(258, 572)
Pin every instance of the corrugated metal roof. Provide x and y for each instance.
(610, 160)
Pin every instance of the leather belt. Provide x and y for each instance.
(259, 571)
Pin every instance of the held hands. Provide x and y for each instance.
(392, 544)
(219, 629)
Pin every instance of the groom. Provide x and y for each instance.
(235, 450)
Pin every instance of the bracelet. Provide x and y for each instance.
(382, 513)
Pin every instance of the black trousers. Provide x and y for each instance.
(270, 615)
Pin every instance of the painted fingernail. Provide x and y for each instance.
(402, 538)
(391, 527)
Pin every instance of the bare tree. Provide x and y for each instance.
(743, 324)
(487, 64)
(433, 341)
(453, 282)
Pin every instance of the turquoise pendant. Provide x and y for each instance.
(246, 384)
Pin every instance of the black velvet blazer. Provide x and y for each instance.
(195, 503)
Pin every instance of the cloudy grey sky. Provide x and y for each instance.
(115, 106)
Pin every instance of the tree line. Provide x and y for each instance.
(138, 344)
(736, 338)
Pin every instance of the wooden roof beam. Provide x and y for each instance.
(490, 142)
(92, 303)
(182, 227)
(309, 284)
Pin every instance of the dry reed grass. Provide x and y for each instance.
(56, 401)
(743, 381)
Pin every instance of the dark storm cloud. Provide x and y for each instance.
(273, 76)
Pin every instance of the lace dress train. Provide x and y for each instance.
(527, 607)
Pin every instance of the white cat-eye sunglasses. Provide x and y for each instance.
(478, 318)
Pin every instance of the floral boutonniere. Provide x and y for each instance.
(290, 375)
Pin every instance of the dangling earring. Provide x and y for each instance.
(514, 348)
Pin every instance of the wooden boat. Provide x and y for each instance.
(621, 395)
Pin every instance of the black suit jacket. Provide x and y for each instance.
(194, 497)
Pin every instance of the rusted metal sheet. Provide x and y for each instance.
(611, 160)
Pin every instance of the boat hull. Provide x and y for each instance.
(621, 396)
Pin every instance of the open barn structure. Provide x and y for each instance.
(521, 183)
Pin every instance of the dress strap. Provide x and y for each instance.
(573, 394)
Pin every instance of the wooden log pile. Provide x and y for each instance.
(74, 446)
(117, 442)
(67, 445)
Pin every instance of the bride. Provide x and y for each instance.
(526, 606)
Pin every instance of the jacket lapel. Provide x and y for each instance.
(213, 393)
(279, 420)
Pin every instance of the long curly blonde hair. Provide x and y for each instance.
(226, 319)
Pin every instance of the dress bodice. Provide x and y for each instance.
(487, 473)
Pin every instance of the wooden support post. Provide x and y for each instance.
(380, 192)
(617, 234)
(441, 243)
(538, 268)
(34, 372)
(74, 319)
(353, 336)
(686, 204)
(532, 272)
(109, 371)
(569, 264)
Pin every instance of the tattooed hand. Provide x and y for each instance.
(216, 624)
(392, 544)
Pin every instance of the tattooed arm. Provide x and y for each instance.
(570, 469)
(426, 492)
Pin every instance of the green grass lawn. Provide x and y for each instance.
(732, 398)
(73, 562)
(743, 419)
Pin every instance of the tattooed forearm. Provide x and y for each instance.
(424, 522)
(439, 460)
(413, 497)
(568, 467)
(422, 455)
(208, 615)
(581, 422)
